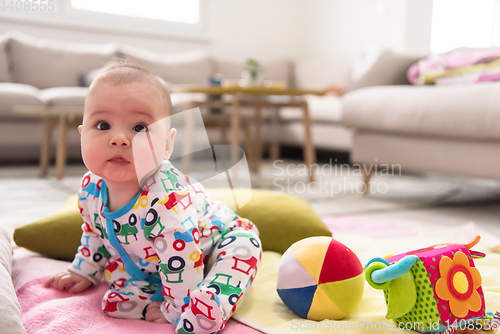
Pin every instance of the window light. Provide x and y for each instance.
(182, 11)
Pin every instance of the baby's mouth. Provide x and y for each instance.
(118, 160)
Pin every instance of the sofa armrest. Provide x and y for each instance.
(389, 69)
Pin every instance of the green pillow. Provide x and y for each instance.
(281, 219)
(57, 236)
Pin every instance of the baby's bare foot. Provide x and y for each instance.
(153, 313)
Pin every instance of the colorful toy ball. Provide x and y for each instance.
(320, 278)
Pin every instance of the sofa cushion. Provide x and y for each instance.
(181, 101)
(325, 135)
(278, 70)
(45, 63)
(4, 59)
(178, 68)
(389, 69)
(87, 78)
(273, 69)
(13, 94)
(321, 73)
(466, 111)
(326, 108)
(64, 96)
(230, 69)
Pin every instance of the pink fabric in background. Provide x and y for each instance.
(364, 226)
(450, 60)
(51, 311)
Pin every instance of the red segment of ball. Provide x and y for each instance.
(340, 263)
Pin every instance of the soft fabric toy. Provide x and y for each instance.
(432, 289)
(320, 278)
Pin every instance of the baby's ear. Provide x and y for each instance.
(80, 129)
(170, 143)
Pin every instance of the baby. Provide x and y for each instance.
(167, 250)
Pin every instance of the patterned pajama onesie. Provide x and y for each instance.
(171, 243)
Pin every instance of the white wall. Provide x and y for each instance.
(318, 28)
(347, 28)
(280, 28)
(259, 28)
(418, 26)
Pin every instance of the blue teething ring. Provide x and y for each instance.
(368, 275)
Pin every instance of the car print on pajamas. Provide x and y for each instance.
(101, 232)
(220, 285)
(172, 181)
(126, 230)
(152, 225)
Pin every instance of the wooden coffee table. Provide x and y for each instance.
(61, 117)
(258, 100)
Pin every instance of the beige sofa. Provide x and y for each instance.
(444, 129)
(41, 72)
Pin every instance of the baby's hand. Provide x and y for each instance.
(153, 313)
(61, 280)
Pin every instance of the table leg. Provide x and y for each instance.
(223, 133)
(235, 127)
(309, 153)
(366, 179)
(257, 158)
(249, 150)
(61, 147)
(274, 150)
(45, 149)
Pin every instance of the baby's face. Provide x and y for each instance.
(113, 116)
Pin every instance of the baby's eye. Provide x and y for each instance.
(140, 128)
(103, 126)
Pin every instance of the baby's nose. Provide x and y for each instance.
(119, 139)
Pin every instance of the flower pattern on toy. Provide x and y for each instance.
(445, 283)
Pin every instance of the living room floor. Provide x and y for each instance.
(403, 200)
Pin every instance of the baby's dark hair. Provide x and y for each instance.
(123, 71)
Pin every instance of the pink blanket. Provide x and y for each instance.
(51, 311)
(454, 60)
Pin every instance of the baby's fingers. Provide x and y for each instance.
(54, 279)
(153, 314)
(80, 286)
(48, 282)
(63, 281)
(153, 305)
(161, 320)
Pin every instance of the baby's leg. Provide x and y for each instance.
(204, 314)
(130, 301)
(232, 268)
